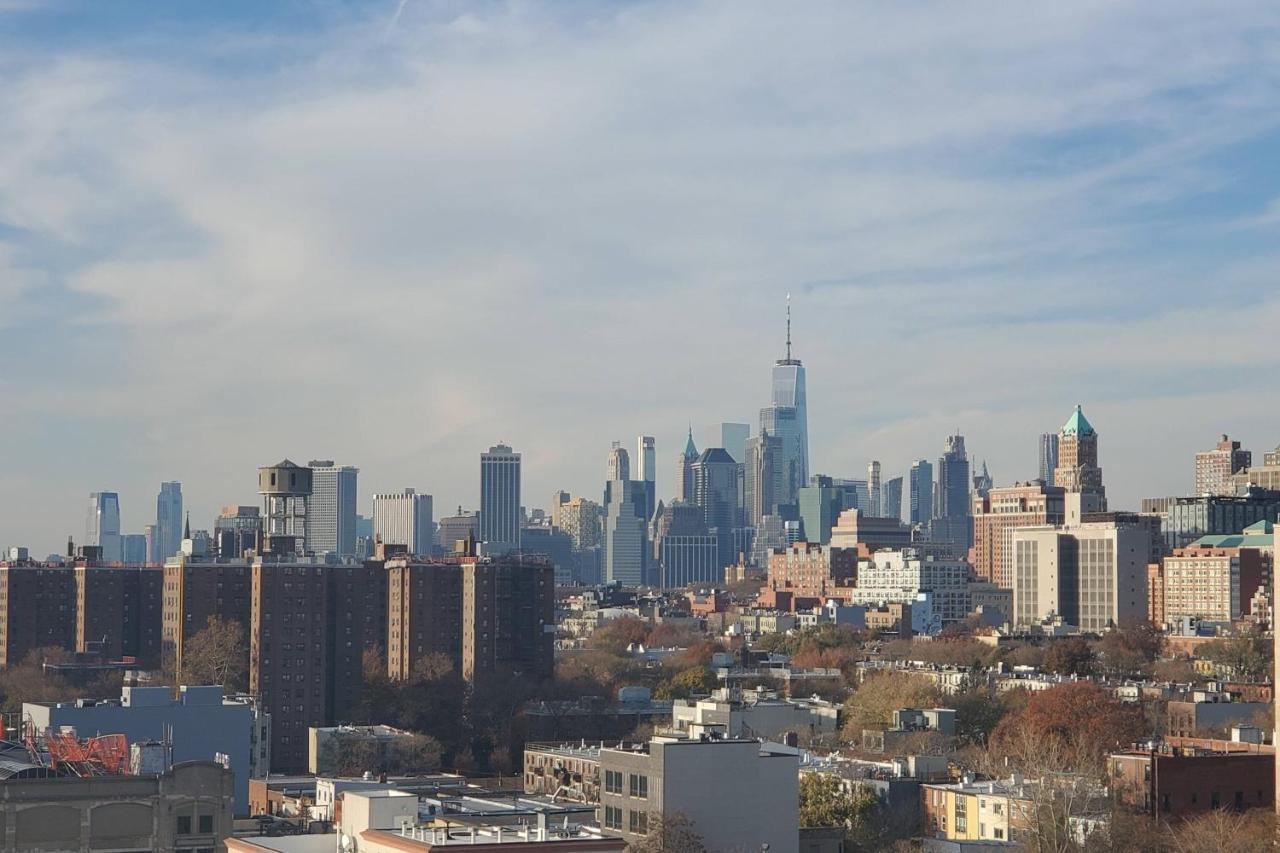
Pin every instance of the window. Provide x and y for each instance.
(999, 834)
(612, 817)
(639, 786)
(184, 824)
(639, 822)
(206, 824)
(613, 782)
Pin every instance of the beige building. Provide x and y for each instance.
(188, 807)
(998, 513)
(1264, 476)
(1213, 584)
(580, 518)
(739, 794)
(1092, 575)
(1078, 469)
(1215, 468)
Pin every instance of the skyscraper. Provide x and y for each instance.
(1048, 456)
(952, 524)
(715, 489)
(168, 521)
(404, 518)
(982, 481)
(1078, 470)
(331, 525)
(684, 470)
(500, 499)
(625, 535)
(733, 438)
(647, 471)
(1215, 467)
(762, 472)
(921, 492)
(891, 499)
(787, 417)
(873, 488)
(102, 527)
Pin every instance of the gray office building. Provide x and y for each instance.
(920, 480)
(891, 498)
(733, 438)
(169, 522)
(761, 475)
(102, 526)
(500, 499)
(625, 534)
(331, 524)
(952, 522)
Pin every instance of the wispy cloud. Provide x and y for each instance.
(562, 225)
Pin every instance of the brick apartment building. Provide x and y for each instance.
(997, 513)
(1175, 782)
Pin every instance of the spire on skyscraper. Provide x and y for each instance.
(788, 326)
(186, 531)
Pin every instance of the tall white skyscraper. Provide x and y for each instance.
(646, 461)
(404, 518)
(103, 525)
(873, 487)
(331, 520)
(500, 499)
(168, 539)
(787, 417)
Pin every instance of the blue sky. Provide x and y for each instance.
(394, 234)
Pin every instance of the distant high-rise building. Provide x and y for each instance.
(237, 529)
(873, 487)
(286, 494)
(787, 417)
(891, 499)
(951, 523)
(457, 528)
(500, 500)
(580, 518)
(102, 527)
(684, 470)
(982, 481)
(921, 492)
(404, 518)
(1078, 469)
(1214, 468)
(821, 503)
(133, 548)
(169, 520)
(1048, 456)
(761, 474)
(733, 438)
(647, 471)
(619, 464)
(625, 534)
(331, 524)
(715, 489)
(558, 500)
(151, 533)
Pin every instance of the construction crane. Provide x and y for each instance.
(105, 755)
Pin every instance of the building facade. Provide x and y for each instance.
(500, 499)
(169, 522)
(405, 518)
(997, 514)
(1216, 469)
(331, 525)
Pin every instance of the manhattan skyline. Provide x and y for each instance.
(557, 228)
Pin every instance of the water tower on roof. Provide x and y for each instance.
(286, 491)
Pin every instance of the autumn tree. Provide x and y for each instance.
(1077, 724)
(216, 655)
(1130, 652)
(1246, 655)
(1072, 656)
(617, 635)
(872, 704)
(686, 683)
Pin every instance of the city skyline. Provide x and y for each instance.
(180, 184)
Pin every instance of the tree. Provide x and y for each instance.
(412, 755)
(686, 683)
(28, 682)
(1251, 832)
(615, 636)
(1130, 652)
(1072, 656)
(1075, 724)
(1246, 655)
(216, 655)
(670, 833)
(871, 706)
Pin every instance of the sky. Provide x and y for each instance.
(393, 233)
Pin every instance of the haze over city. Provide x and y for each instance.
(394, 234)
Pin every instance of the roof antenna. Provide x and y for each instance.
(788, 325)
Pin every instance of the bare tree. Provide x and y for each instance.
(670, 833)
(216, 655)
